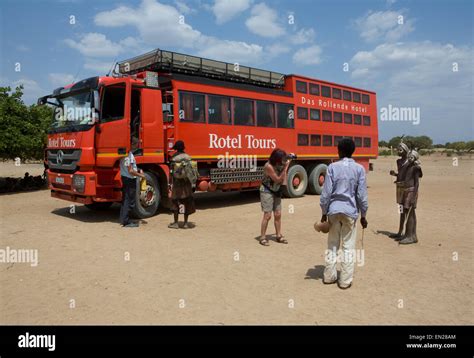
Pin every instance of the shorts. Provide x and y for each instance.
(270, 202)
(400, 192)
(410, 198)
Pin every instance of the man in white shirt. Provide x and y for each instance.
(129, 173)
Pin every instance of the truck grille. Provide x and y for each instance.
(237, 175)
(63, 159)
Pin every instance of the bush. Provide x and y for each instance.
(23, 129)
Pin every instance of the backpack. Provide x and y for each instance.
(185, 169)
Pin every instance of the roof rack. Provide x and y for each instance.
(161, 60)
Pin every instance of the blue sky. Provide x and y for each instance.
(404, 50)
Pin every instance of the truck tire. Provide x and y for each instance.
(148, 201)
(99, 206)
(316, 179)
(297, 182)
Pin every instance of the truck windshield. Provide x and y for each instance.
(73, 110)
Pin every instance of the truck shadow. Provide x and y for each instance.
(203, 201)
(83, 214)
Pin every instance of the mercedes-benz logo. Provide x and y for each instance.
(59, 157)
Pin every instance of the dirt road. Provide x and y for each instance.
(92, 271)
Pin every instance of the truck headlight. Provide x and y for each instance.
(79, 182)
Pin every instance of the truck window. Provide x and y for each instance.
(302, 112)
(314, 89)
(315, 114)
(219, 110)
(326, 91)
(316, 140)
(243, 112)
(265, 114)
(113, 103)
(327, 116)
(347, 118)
(327, 140)
(365, 99)
(191, 107)
(301, 87)
(303, 139)
(285, 115)
(347, 95)
(358, 142)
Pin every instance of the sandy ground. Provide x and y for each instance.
(92, 271)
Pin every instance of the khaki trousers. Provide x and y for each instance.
(343, 230)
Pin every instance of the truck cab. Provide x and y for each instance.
(94, 123)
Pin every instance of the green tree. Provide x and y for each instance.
(470, 146)
(394, 142)
(383, 143)
(421, 142)
(458, 146)
(23, 129)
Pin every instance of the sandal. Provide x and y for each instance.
(264, 242)
(173, 226)
(281, 240)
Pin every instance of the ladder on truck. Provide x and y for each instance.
(173, 62)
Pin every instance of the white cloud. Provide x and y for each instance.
(420, 74)
(264, 21)
(60, 79)
(183, 7)
(384, 25)
(225, 10)
(303, 36)
(308, 56)
(160, 25)
(231, 51)
(277, 49)
(95, 45)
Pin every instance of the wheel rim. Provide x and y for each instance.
(296, 181)
(147, 197)
(321, 179)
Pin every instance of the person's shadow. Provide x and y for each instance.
(315, 273)
(384, 232)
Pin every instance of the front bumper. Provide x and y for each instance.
(61, 186)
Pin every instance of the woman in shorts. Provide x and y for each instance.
(274, 176)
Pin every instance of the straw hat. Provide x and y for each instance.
(322, 227)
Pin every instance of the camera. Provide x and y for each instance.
(291, 156)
